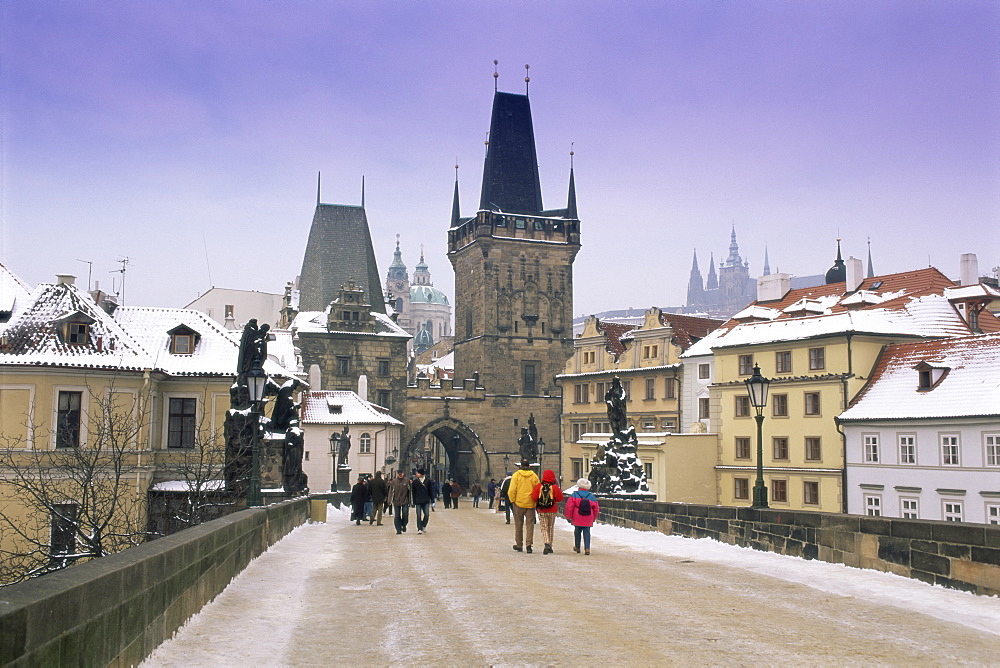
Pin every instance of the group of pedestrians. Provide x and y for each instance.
(525, 496)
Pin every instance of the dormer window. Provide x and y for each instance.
(183, 340)
(76, 333)
(930, 374)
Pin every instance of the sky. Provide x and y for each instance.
(187, 136)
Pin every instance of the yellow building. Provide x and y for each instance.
(818, 347)
(646, 359)
(98, 404)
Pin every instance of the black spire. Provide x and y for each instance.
(455, 210)
(838, 272)
(510, 175)
(571, 205)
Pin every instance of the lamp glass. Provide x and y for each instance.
(757, 388)
(256, 380)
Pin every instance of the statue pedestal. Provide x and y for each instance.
(344, 479)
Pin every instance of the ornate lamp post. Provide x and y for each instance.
(256, 380)
(541, 450)
(334, 450)
(757, 388)
(506, 463)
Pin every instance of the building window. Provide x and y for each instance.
(949, 450)
(741, 488)
(907, 449)
(230, 311)
(589, 357)
(742, 447)
(577, 465)
(871, 448)
(383, 398)
(627, 389)
(649, 425)
(873, 505)
(650, 352)
(650, 389)
(601, 389)
(703, 409)
(779, 491)
(783, 361)
(343, 366)
(77, 334)
(62, 531)
(180, 423)
(181, 344)
(383, 368)
(814, 449)
(953, 511)
(780, 447)
(704, 371)
(670, 388)
(909, 508)
(810, 493)
(648, 468)
(581, 393)
(365, 444)
(602, 428)
(812, 403)
(68, 420)
(669, 426)
(746, 365)
(742, 408)
(577, 430)
(779, 405)
(817, 359)
(992, 442)
(993, 513)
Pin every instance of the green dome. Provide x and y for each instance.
(426, 294)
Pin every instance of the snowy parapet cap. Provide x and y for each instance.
(754, 312)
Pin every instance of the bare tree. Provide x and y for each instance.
(79, 500)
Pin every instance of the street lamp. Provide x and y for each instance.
(506, 463)
(541, 448)
(334, 451)
(256, 380)
(757, 388)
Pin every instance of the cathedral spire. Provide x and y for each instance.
(696, 288)
(571, 203)
(871, 270)
(713, 280)
(455, 210)
(767, 263)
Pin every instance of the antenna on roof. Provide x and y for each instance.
(125, 260)
(496, 75)
(527, 79)
(90, 270)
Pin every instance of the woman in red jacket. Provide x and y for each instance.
(546, 495)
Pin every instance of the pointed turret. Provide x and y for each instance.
(838, 272)
(871, 270)
(397, 270)
(767, 263)
(571, 203)
(456, 214)
(695, 293)
(734, 259)
(510, 175)
(713, 279)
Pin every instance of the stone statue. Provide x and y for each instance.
(294, 480)
(615, 399)
(527, 446)
(345, 447)
(253, 344)
(285, 412)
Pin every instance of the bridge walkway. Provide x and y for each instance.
(341, 594)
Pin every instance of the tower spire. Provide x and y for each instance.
(527, 79)
(318, 176)
(571, 203)
(362, 191)
(455, 211)
(496, 75)
(767, 263)
(871, 270)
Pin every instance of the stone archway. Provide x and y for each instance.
(456, 450)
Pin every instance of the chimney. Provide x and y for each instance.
(855, 274)
(67, 279)
(969, 269)
(315, 378)
(363, 387)
(773, 287)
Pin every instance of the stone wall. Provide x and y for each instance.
(952, 554)
(116, 610)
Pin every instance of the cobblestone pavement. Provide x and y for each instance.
(340, 594)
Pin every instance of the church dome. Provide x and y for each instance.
(838, 272)
(427, 294)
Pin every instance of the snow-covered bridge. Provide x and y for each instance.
(340, 594)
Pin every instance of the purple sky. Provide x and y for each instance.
(160, 130)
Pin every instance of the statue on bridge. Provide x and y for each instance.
(528, 443)
(616, 468)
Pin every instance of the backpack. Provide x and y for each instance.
(545, 499)
(584, 507)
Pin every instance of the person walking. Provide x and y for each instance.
(400, 496)
(522, 483)
(420, 491)
(475, 491)
(369, 503)
(491, 491)
(380, 492)
(581, 511)
(547, 496)
(504, 499)
(435, 493)
(359, 495)
(446, 493)
(456, 491)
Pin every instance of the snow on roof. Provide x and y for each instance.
(754, 312)
(342, 407)
(979, 290)
(314, 322)
(971, 386)
(13, 291)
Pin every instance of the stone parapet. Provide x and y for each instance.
(952, 554)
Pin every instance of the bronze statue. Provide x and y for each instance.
(615, 399)
(526, 445)
(345, 446)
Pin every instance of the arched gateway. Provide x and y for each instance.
(448, 449)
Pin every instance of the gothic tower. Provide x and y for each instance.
(513, 264)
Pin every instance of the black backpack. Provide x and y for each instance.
(584, 507)
(545, 499)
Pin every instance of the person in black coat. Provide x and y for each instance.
(380, 497)
(422, 494)
(446, 493)
(359, 494)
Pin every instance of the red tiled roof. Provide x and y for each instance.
(612, 335)
(688, 328)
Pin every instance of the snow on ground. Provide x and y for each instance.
(978, 612)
